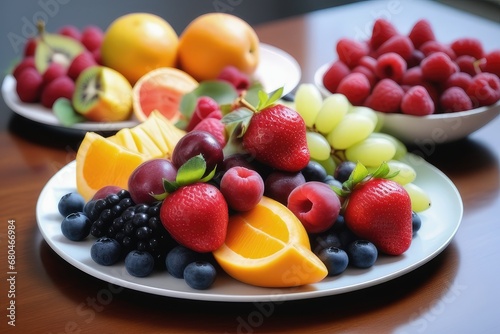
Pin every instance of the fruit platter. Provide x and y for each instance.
(225, 190)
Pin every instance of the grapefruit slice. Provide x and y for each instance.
(161, 89)
(269, 247)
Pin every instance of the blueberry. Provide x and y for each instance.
(314, 171)
(106, 251)
(324, 240)
(331, 181)
(139, 263)
(200, 275)
(70, 203)
(335, 260)
(344, 170)
(362, 254)
(76, 226)
(87, 208)
(416, 222)
(178, 258)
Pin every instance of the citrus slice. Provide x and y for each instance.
(101, 162)
(269, 247)
(161, 89)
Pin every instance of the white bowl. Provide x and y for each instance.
(431, 129)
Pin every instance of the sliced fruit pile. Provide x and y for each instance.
(130, 68)
(256, 205)
(414, 73)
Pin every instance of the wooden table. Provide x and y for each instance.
(456, 291)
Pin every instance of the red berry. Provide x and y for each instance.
(492, 64)
(70, 31)
(459, 79)
(455, 99)
(417, 101)
(467, 64)
(367, 72)
(28, 62)
(356, 87)
(29, 85)
(335, 73)
(415, 59)
(431, 47)
(437, 67)
(55, 70)
(484, 89)
(213, 126)
(386, 96)
(381, 32)
(391, 65)
(399, 44)
(421, 32)
(62, 86)
(92, 37)
(468, 46)
(413, 76)
(204, 106)
(350, 51)
(81, 62)
(242, 188)
(235, 77)
(29, 48)
(368, 62)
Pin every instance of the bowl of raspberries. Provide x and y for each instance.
(422, 89)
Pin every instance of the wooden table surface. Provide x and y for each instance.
(456, 291)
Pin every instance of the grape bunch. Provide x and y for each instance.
(135, 226)
(338, 131)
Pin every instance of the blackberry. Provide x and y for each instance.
(135, 226)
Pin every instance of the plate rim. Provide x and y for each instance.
(35, 112)
(273, 294)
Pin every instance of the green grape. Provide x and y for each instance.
(371, 152)
(331, 112)
(420, 200)
(369, 112)
(308, 101)
(406, 173)
(401, 149)
(352, 129)
(329, 165)
(318, 146)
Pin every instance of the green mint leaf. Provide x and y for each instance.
(191, 171)
(65, 113)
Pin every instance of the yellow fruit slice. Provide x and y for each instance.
(161, 89)
(269, 247)
(100, 162)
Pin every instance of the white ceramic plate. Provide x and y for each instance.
(276, 69)
(439, 225)
(437, 129)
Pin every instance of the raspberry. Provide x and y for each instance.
(70, 31)
(390, 65)
(79, 63)
(484, 89)
(367, 72)
(399, 44)
(492, 64)
(351, 51)
(413, 76)
(213, 126)
(466, 64)
(29, 85)
(433, 91)
(437, 67)
(415, 59)
(54, 71)
(235, 77)
(62, 86)
(468, 46)
(421, 32)
(204, 106)
(29, 48)
(417, 101)
(386, 96)
(335, 73)
(368, 62)
(459, 79)
(431, 47)
(355, 87)
(92, 37)
(455, 99)
(23, 64)
(381, 32)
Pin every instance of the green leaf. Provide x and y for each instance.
(222, 92)
(65, 113)
(191, 171)
(252, 93)
(382, 171)
(266, 100)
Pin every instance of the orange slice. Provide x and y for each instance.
(161, 89)
(269, 247)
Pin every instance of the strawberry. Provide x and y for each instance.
(378, 210)
(195, 213)
(273, 134)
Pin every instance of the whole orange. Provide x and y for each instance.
(137, 43)
(215, 40)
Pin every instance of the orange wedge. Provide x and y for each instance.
(269, 247)
(161, 89)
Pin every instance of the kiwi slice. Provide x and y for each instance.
(55, 48)
(87, 88)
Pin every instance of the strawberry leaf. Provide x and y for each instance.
(266, 100)
(191, 171)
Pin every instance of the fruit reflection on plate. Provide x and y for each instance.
(276, 69)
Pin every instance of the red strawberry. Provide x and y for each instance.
(378, 209)
(196, 216)
(276, 136)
